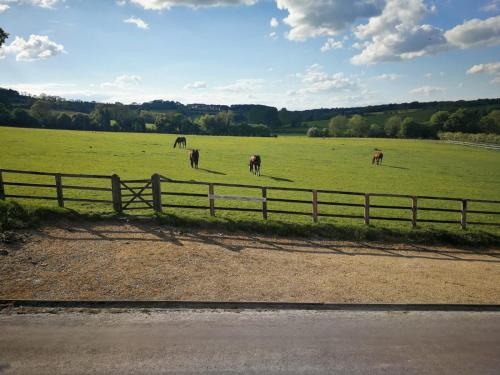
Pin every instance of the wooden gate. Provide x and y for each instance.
(136, 195)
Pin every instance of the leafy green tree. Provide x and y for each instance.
(41, 110)
(463, 120)
(410, 129)
(490, 123)
(4, 115)
(376, 131)
(63, 121)
(101, 117)
(23, 118)
(81, 122)
(358, 126)
(3, 36)
(313, 132)
(392, 126)
(338, 126)
(438, 120)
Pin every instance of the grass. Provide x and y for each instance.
(412, 167)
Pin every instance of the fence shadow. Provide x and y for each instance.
(395, 167)
(150, 233)
(281, 179)
(212, 172)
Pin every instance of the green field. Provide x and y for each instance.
(412, 167)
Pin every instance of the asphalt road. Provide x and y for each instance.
(251, 342)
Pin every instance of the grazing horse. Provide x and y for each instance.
(194, 156)
(255, 164)
(378, 157)
(181, 141)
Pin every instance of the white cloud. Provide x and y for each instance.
(196, 85)
(273, 35)
(428, 90)
(428, 75)
(492, 68)
(122, 82)
(495, 81)
(388, 77)
(37, 47)
(121, 3)
(475, 33)
(274, 22)
(331, 43)
(40, 3)
(316, 80)
(309, 19)
(167, 4)
(492, 6)
(396, 34)
(3, 7)
(243, 85)
(137, 22)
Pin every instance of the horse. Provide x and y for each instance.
(255, 164)
(378, 157)
(181, 141)
(194, 156)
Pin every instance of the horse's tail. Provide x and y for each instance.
(373, 160)
(175, 144)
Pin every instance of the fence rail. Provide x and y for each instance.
(148, 194)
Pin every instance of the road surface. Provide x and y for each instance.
(250, 342)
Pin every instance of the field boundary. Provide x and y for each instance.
(147, 194)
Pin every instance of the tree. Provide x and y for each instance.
(376, 130)
(463, 120)
(358, 126)
(392, 126)
(410, 129)
(490, 123)
(81, 122)
(63, 121)
(313, 132)
(3, 36)
(438, 120)
(338, 126)
(23, 118)
(101, 117)
(41, 111)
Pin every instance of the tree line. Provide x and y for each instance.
(463, 120)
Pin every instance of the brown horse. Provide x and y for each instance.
(378, 157)
(194, 157)
(181, 141)
(255, 164)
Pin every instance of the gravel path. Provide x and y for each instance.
(120, 260)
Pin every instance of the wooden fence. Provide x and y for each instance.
(157, 193)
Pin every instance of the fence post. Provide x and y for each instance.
(414, 210)
(2, 189)
(156, 187)
(315, 205)
(116, 188)
(59, 190)
(367, 209)
(211, 199)
(463, 220)
(264, 203)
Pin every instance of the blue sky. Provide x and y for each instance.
(286, 53)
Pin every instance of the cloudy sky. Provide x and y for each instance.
(288, 53)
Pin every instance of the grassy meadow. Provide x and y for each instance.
(412, 167)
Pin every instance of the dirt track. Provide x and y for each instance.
(117, 260)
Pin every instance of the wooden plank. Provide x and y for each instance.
(17, 196)
(483, 201)
(116, 193)
(236, 198)
(59, 190)
(341, 204)
(414, 210)
(342, 216)
(438, 209)
(2, 188)
(89, 200)
(483, 212)
(289, 212)
(367, 209)
(315, 205)
(389, 218)
(439, 198)
(186, 206)
(184, 194)
(88, 188)
(156, 185)
(483, 223)
(211, 200)
(239, 209)
(463, 219)
(439, 221)
(29, 184)
(15, 171)
(390, 207)
(288, 200)
(264, 203)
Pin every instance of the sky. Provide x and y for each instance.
(295, 54)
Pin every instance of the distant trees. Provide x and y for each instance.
(313, 132)
(358, 126)
(392, 126)
(338, 126)
(438, 120)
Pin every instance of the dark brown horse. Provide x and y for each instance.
(181, 141)
(255, 164)
(194, 157)
(378, 157)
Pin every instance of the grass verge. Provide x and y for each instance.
(17, 216)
